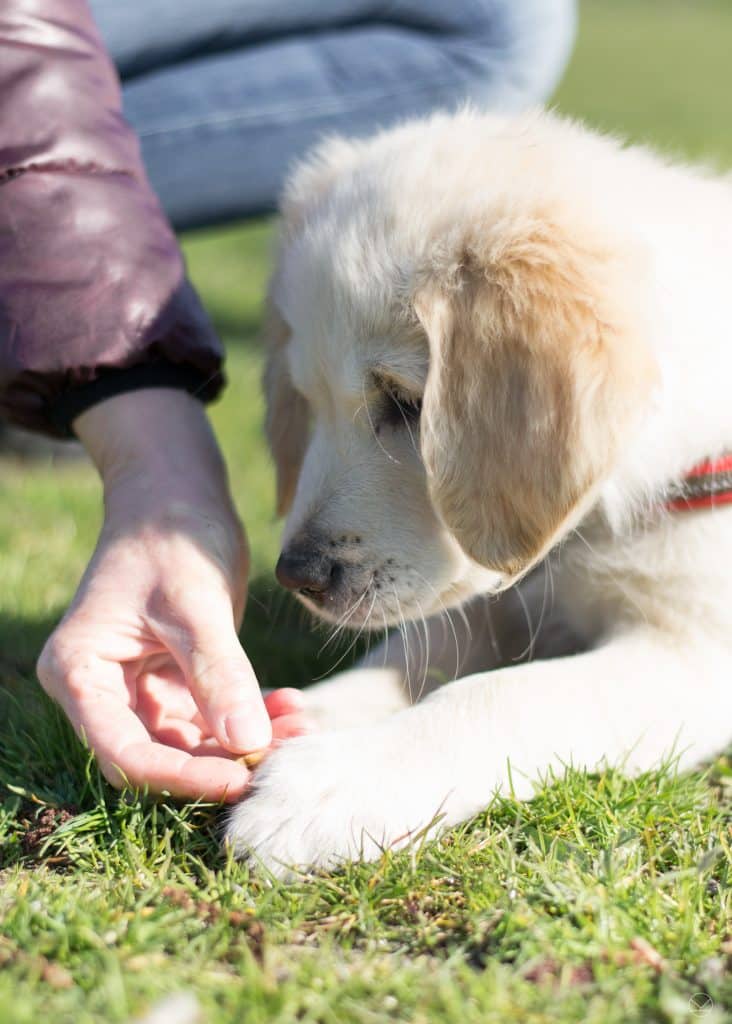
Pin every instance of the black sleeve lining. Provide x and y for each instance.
(111, 382)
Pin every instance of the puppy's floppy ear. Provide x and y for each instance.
(539, 366)
(286, 423)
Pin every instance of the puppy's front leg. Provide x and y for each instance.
(488, 632)
(405, 668)
(323, 798)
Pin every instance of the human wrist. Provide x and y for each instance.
(151, 442)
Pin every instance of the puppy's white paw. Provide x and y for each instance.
(338, 796)
(358, 697)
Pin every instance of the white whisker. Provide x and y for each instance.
(625, 591)
(529, 649)
(344, 619)
(405, 641)
(352, 643)
(374, 431)
(425, 672)
(407, 425)
(445, 613)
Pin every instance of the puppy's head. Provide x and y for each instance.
(455, 361)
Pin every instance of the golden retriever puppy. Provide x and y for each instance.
(499, 380)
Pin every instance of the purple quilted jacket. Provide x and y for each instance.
(93, 292)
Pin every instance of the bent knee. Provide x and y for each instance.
(512, 54)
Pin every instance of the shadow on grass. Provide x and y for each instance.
(281, 638)
(285, 643)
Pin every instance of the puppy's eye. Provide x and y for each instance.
(400, 407)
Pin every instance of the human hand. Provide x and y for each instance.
(146, 663)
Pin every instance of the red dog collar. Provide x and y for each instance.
(707, 485)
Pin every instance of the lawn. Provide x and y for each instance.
(603, 900)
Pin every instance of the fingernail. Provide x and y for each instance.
(248, 728)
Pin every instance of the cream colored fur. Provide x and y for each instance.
(560, 305)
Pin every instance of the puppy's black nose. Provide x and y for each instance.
(308, 570)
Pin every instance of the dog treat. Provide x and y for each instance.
(252, 759)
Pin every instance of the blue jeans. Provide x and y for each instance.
(226, 94)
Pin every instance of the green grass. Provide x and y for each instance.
(531, 913)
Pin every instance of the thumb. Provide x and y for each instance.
(222, 681)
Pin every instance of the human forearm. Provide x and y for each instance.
(157, 437)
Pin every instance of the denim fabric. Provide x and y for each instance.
(226, 94)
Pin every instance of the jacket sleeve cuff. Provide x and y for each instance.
(110, 382)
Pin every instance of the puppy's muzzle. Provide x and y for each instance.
(305, 568)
